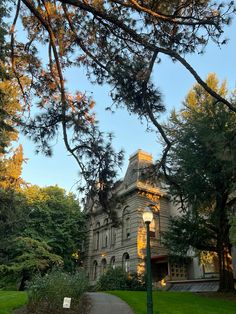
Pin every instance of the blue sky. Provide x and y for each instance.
(174, 82)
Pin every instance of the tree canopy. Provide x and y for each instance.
(39, 228)
(201, 172)
(116, 42)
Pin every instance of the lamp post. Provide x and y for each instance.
(147, 218)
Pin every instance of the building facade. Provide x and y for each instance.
(109, 245)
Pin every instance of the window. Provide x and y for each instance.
(105, 239)
(126, 224)
(103, 266)
(127, 228)
(97, 241)
(126, 262)
(113, 235)
(97, 237)
(152, 228)
(112, 263)
(95, 270)
(178, 271)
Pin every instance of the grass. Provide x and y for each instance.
(10, 300)
(176, 303)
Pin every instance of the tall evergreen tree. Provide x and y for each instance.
(202, 173)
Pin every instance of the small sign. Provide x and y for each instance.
(66, 303)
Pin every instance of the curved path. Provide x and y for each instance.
(103, 303)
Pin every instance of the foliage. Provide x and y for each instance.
(118, 279)
(113, 279)
(39, 228)
(201, 174)
(136, 282)
(11, 169)
(27, 256)
(116, 43)
(165, 302)
(10, 106)
(10, 109)
(46, 293)
(55, 217)
(10, 300)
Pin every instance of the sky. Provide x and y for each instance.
(129, 134)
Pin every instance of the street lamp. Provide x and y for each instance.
(147, 218)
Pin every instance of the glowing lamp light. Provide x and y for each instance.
(147, 215)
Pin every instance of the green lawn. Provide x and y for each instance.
(176, 303)
(10, 300)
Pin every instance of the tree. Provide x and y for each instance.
(9, 92)
(10, 108)
(39, 228)
(201, 173)
(28, 256)
(11, 169)
(119, 43)
(55, 217)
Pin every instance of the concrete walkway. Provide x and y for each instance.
(103, 303)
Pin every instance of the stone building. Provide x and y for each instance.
(110, 246)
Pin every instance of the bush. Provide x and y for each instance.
(118, 279)
(113, 279)
(136, 282)
(46, 293)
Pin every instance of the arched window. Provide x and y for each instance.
(126, 224)
(103, 266)
(95, 270)
(126, 262)
(112, 263)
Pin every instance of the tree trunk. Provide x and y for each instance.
(25, 277)
(226, 282)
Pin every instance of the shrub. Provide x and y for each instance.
(136, 282)
(113, 279)
(118, 279)
(46, 293)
